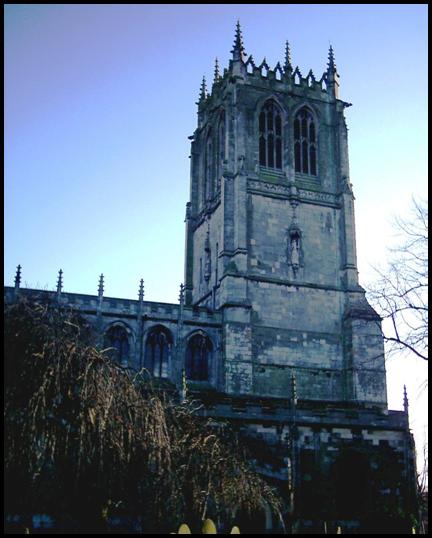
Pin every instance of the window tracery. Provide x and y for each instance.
(157, 352)
(305, 143)
(270, 136)
(117, 338)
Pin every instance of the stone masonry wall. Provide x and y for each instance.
(268, 240)
(215, 227)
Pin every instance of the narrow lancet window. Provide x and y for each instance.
(270, 136)
(305, 144)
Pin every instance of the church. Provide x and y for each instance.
(273, 331)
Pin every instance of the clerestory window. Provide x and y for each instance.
(270, 136)
(305, 143)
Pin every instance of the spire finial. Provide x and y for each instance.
(141, 291)
(405, 403)
(331, 65)
(101, 286)
(18, 277)
(238, 50)
(216, 72)
(59, 282)
(287, 64)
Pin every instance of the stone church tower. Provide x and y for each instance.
(272, 331)
(270, 235)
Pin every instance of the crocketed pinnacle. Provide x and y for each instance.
(18, 277)
(331, 65)
(238, 50)
(405, 400)
(101, 285)
(60, 281)
(181, 295)
(203, 90)
(216, 72)
(287, 65)
(141, 291)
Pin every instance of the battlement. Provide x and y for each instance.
(113, 306)
(282, 78)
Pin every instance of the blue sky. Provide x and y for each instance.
(100, 100)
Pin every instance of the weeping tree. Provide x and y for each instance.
(86, 440)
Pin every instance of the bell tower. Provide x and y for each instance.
(270, 234)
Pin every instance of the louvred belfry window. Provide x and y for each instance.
(305, 143)
(270, 136)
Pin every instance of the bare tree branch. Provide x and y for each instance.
(399, 293)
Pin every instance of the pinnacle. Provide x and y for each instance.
(216, 72)
(60, 281)
(101, 285)
(331, 61)
(18, 277)
(181, 295)
(287, 65)
(405, 399)
(238, 50)
(203, 90)
(141, 290)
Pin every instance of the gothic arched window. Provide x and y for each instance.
(198, 357)
(305, 143)
(157, 351)
(208, 167)
(270, 136)
(117, 338)
(221, 148)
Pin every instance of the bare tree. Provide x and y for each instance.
(400, 292)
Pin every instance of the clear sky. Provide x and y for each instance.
(100, 100)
